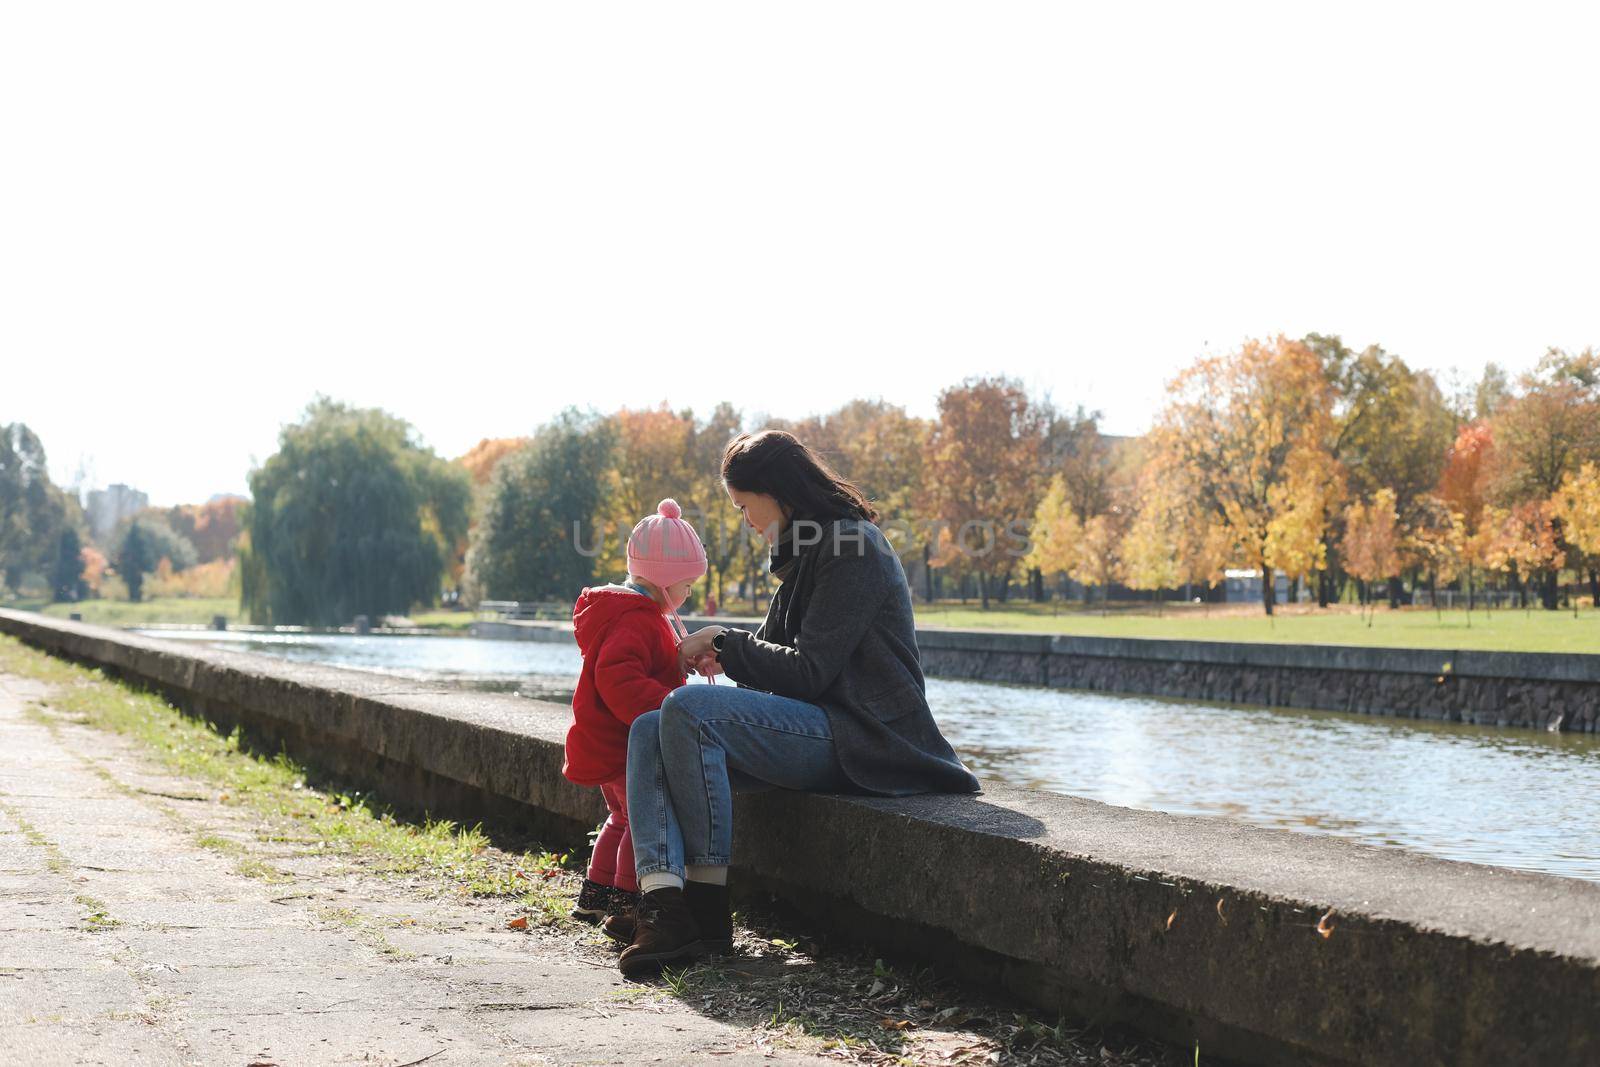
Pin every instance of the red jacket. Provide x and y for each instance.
(630, 664)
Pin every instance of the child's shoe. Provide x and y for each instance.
(594, 900)
(621, 922)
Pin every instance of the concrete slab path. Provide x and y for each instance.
(125, 941)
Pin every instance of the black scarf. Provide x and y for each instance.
(782, 555)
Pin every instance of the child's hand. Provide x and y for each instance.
(706, 664)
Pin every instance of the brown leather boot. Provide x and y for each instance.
(621, 924)
(709, 905)
(664, 933)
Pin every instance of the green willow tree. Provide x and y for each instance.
(537, 535)
(351, 516)
(33, 510)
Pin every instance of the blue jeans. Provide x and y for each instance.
(686, 757)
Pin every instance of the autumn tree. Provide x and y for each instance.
(1075, 449)
(1545, 434)
(1055, 537)
(211, 527)
(1435, 542)
(479, 462)
(982, 465)
(1099, 562)
(94, 568)
(733, 552)
(1171, 541)
(1463, 487)
(1371, 542)
(1392, 427)
(1577, 506)
(1150, 553)
(1239, 427)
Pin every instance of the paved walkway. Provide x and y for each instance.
(124, 941)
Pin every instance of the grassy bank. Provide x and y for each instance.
(195, 611)
(1511, 630)
(1505, 629)
(292, 797)
(190, 610)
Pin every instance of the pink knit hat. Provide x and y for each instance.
(664, 549)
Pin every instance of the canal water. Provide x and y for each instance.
(1514, 798)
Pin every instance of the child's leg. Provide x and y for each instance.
(603, 863)
(616, 794)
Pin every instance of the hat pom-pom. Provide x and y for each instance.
(669, 507)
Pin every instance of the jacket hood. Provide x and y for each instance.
(599, 606)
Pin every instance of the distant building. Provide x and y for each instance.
(1245, 587)
(107, 507)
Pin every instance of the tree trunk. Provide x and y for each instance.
(1269, 591)
(1594, 587)
(1394, 592)
(983, 588)
(1548, 593)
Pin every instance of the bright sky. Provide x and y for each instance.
(473, 215)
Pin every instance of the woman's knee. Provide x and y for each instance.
(644, 735)
(681, 711)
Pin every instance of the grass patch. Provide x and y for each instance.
(97, 917)
(185, 610)
(218, 843)
(1505, 629)
(287, 793)
(443, 620)
(368, 929)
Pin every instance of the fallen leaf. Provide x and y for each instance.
(895, 1024)
(1171, 918)
(519, 923)
(1220, 915)
(1324, 927)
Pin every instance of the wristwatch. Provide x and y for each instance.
(716, 644)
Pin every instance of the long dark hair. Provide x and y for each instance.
(777, 464)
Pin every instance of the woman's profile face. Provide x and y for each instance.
(761, 512)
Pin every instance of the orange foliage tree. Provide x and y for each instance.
(982, 463)
(1371, 542)
(1240, 432)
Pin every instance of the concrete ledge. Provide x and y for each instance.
(1190, 928)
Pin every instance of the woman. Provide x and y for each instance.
(828, 697)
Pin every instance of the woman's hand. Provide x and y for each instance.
(706, 665)
(696, 646)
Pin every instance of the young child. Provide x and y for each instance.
(630, 664)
